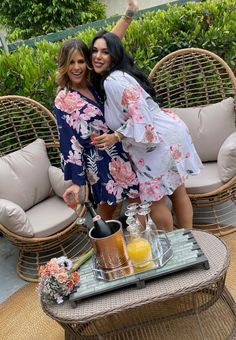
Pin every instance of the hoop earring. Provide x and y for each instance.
(89, 68)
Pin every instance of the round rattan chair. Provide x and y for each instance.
(196, 77)
(22, 121)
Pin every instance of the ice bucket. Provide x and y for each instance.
(110, 251)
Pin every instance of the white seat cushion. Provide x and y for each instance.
(50, 216)
(207, 181)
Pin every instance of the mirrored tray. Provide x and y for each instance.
(186, 254)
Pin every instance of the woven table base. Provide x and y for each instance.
(218, 322)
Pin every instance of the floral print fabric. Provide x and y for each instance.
(108, 172)
(158, 141)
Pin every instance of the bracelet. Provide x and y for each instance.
(127, 18)
(117, 136)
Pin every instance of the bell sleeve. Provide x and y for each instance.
(131, 107)
(71, 150)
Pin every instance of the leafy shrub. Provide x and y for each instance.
(210, 25)
(25, 19)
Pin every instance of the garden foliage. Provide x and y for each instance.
(210, 25)
(26, 19)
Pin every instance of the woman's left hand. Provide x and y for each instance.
(105, 141)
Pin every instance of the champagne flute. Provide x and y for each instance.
(95, 131)
(131, 214)
(132, 209)
(73, 204)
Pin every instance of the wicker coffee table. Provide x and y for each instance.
(192, 304)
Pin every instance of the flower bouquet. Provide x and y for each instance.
(58, 277)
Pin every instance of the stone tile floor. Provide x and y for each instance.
(9, 280)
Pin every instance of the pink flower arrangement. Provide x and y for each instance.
(58, 277)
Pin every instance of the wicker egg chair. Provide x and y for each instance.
(22, 121)
(194, 77)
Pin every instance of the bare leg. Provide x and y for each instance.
(106, 211)
(182, 207)
(161, 215)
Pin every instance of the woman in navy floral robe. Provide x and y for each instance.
(108, 171)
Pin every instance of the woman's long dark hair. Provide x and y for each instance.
(120, 61)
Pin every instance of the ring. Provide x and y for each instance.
(104, 145)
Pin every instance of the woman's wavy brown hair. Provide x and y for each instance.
(66, 51)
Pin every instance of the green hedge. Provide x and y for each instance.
(210, 25)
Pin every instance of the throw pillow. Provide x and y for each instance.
(209, 126)
(24, 176)
(56, 177)
(227, 158)
(14, 219)
(59, 185)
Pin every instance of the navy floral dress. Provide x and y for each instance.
(109, 171)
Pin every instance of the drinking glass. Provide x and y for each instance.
(145, 205)
(133, 207)
(94, 132)
(73, 204)
(132, 212)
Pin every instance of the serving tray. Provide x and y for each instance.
(185, 253)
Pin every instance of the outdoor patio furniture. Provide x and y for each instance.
(192, 304)
(201, 88)
(33, 215)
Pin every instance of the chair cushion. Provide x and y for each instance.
(14, 219)
(209, 126)
(56, 177)
(227, 158)
(207, 181)
(24, 176)
(50, 216)
(59, 185)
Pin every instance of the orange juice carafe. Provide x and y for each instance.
(139, 250)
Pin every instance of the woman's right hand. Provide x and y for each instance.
(132, 5)
(71, 196)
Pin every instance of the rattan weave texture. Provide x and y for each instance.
(22, 121)
(197, 77)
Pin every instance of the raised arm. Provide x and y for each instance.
(125, 20)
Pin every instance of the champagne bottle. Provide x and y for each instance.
(101, 228)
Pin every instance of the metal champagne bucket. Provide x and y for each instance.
(110, 251)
